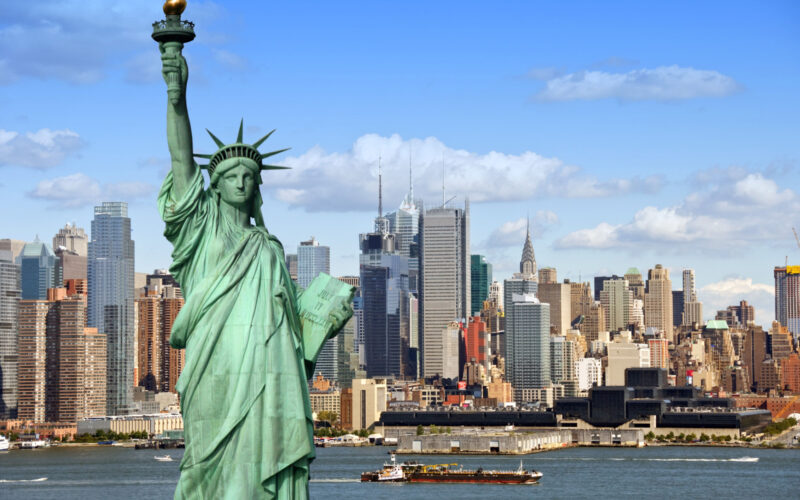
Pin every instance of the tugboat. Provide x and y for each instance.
(414, 472)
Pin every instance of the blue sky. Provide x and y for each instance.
(633, 133)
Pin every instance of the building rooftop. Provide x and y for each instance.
(717, 324)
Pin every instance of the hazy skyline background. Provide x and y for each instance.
(633, 134)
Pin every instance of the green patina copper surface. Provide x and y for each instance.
(251, 335)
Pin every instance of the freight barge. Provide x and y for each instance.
(414, 472)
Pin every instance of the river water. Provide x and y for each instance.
(595, 473)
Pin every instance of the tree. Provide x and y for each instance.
(650, 436)
(328, 416)
(691, 437)
(704, 437)
(670, 436)
(420, 430)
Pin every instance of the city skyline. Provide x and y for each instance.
(626, 151)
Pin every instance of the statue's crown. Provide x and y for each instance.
(240, 150)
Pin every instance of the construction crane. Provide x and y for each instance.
(797, 238)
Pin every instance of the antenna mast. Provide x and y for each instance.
(443, 191)
(380, 189)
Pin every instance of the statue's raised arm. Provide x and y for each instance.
(179, 130)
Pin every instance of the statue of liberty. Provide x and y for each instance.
(251, 335)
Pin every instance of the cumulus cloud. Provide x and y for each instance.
(41, 149)
(341, 181)
(736, 209)
(512, 233)
(664, 83)
(717, 296)
(79, 190)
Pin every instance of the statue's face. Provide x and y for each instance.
(238, 184)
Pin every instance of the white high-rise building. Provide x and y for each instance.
(444, 279)
(528, 345)
(496, 293)
(312, 259)
(589, 372)
(111, 299)
(689, 291)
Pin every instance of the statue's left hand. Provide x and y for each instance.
(340, 315)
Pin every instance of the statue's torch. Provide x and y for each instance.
(173, 33)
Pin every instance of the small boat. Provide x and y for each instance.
(163, 458)
(414, 472)
(4, 443)
(31, 444)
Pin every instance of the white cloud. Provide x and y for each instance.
(41, 149)
(63, 39)
(342, 181)
(512, 233)
(664, 83)
(736, 209)
(78, 190)
(718, 296)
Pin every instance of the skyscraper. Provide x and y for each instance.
(38, 270)
(658, 301)
(558, 296)
(291, 265)
(444, 291)
(689, 291)
(635, 283)
(72, 238)
(692, 308)
(111, 295)
(522, 284)
(562, 364)
(157, 312)
(528, 346)
(62, 363)
(404, 224)
(384, 289)
(548, 275)
(787, 298)
(527, 265)
(617, 300)
(32, 360)
(9, 305)
(480, 279)
(312, 259)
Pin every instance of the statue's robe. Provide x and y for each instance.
(243, 390)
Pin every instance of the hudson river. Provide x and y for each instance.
(592, 473)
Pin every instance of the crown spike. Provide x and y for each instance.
(241, 127)
(220, 144)
(258, 142)
(273, 153)
(274, 167)
(198, 155)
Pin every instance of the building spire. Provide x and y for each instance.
(380, 189)
(527, 265)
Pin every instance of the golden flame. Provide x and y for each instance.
(174, 7)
